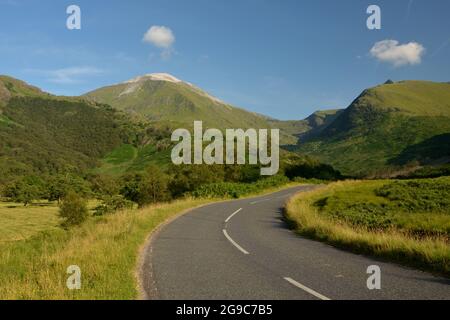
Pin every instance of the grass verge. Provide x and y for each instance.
(105, 248)
(430, 253)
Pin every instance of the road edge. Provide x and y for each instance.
(145, 254)
(145, 250)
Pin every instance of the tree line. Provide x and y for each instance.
(156, 185)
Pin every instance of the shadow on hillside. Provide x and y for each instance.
(427, 151)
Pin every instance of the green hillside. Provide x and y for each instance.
(418, 98)
(387, 126)
(156, 98)
(10, 87)
(129, 158)
(44, 134)
(322, 117)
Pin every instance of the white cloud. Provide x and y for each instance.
(67, 75)
(392, 51)
(161, 37)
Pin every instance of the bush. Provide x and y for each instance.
(311, 170)
(237, 190)
(112, 204)
(222, 190)
(186, 178)
(418, 195)
(310, 181)
(73, 210)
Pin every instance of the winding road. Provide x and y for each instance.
(244, 250)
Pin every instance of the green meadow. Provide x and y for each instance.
(18, 222)
(406, 221)
(128, 158)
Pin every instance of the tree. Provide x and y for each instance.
(130, 186)
(190, 177)
(56, 190)
(153, 187)
(103, 185)
(25, 190)
(73, 210)
(59, 186)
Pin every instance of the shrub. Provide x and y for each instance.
(309, 171)
(310, 181)
(112, 204)
(418, 195)
(237, 190)
(186, 178)
(73, 210)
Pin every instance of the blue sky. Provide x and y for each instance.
(284, 58)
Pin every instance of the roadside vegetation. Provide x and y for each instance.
(407, 221)
(99, 223)
(106, 249)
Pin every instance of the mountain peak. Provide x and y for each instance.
(155, 77)
(135, 83)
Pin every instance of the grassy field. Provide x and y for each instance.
(18, 222)
(404, 221)
(105, 248)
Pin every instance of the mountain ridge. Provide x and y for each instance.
(391, 124)
(381, 126)
(161, 96)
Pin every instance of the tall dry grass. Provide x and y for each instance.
(106, 250)
(427, 253)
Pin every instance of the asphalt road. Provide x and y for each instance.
(243, 250)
